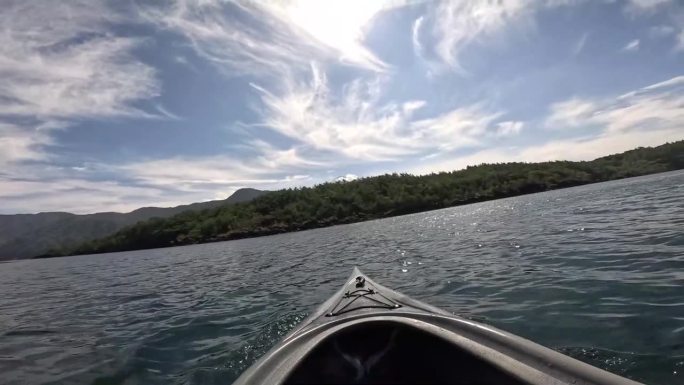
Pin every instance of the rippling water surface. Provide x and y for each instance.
(596, 272)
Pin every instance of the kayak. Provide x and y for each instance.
(369, 334)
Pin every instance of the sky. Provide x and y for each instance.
(116, 105)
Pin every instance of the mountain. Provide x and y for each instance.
(381, 196)
(30, 235)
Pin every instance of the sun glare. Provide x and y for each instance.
(339, 24)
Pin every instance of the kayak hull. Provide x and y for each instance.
(368, 333)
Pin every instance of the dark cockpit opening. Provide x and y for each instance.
(393, 353)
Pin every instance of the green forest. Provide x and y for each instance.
(378, 197)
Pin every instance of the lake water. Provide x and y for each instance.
(596, 272)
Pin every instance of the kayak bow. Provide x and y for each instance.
(369, 334)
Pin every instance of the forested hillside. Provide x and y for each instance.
(31, 235)
(381, 196)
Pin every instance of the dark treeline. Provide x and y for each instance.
(377, 197)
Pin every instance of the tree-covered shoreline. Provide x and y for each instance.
(378, 197)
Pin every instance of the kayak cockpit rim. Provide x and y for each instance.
(515, 359)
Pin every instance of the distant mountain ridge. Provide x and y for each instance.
(30, 235)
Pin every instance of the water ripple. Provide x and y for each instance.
(596, 272)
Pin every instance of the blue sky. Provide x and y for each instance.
(114, 105)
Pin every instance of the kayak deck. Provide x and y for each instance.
(369, 334)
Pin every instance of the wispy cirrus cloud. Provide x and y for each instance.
(336, 25)
(359, 125)
(60, 61)
(278, 42)
(460, 127)
(416, 30)
(359, 108)
(674, 14)
(509, 128)
(272, 39)
(658, 106)
(648, 116)
(155, 182)
(571, 113)
(224, 173)
(575, 149)
(632, 46)
(456, 25)
(353, 124)
(18, 144)
(62, 192)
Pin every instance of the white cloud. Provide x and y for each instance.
(415, 36)
(269, 168)
(575, 149)
(236, 44)
(37, 187)
(632, 46)
(592, 147)
(673, 82)
(649, 116)
(62, 61)
(346, 178)
(460, 127)
(570, 113)
(357, 125)
(671, 10)
(273, 38)
(57, 60)
(413, 105)
(457, 24)
(81, 196)
(159, 182)
(508, 128)
(340, 24)
(18, 144)
(59, 63)
(658, 106)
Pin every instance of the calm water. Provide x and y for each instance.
(596, 272)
